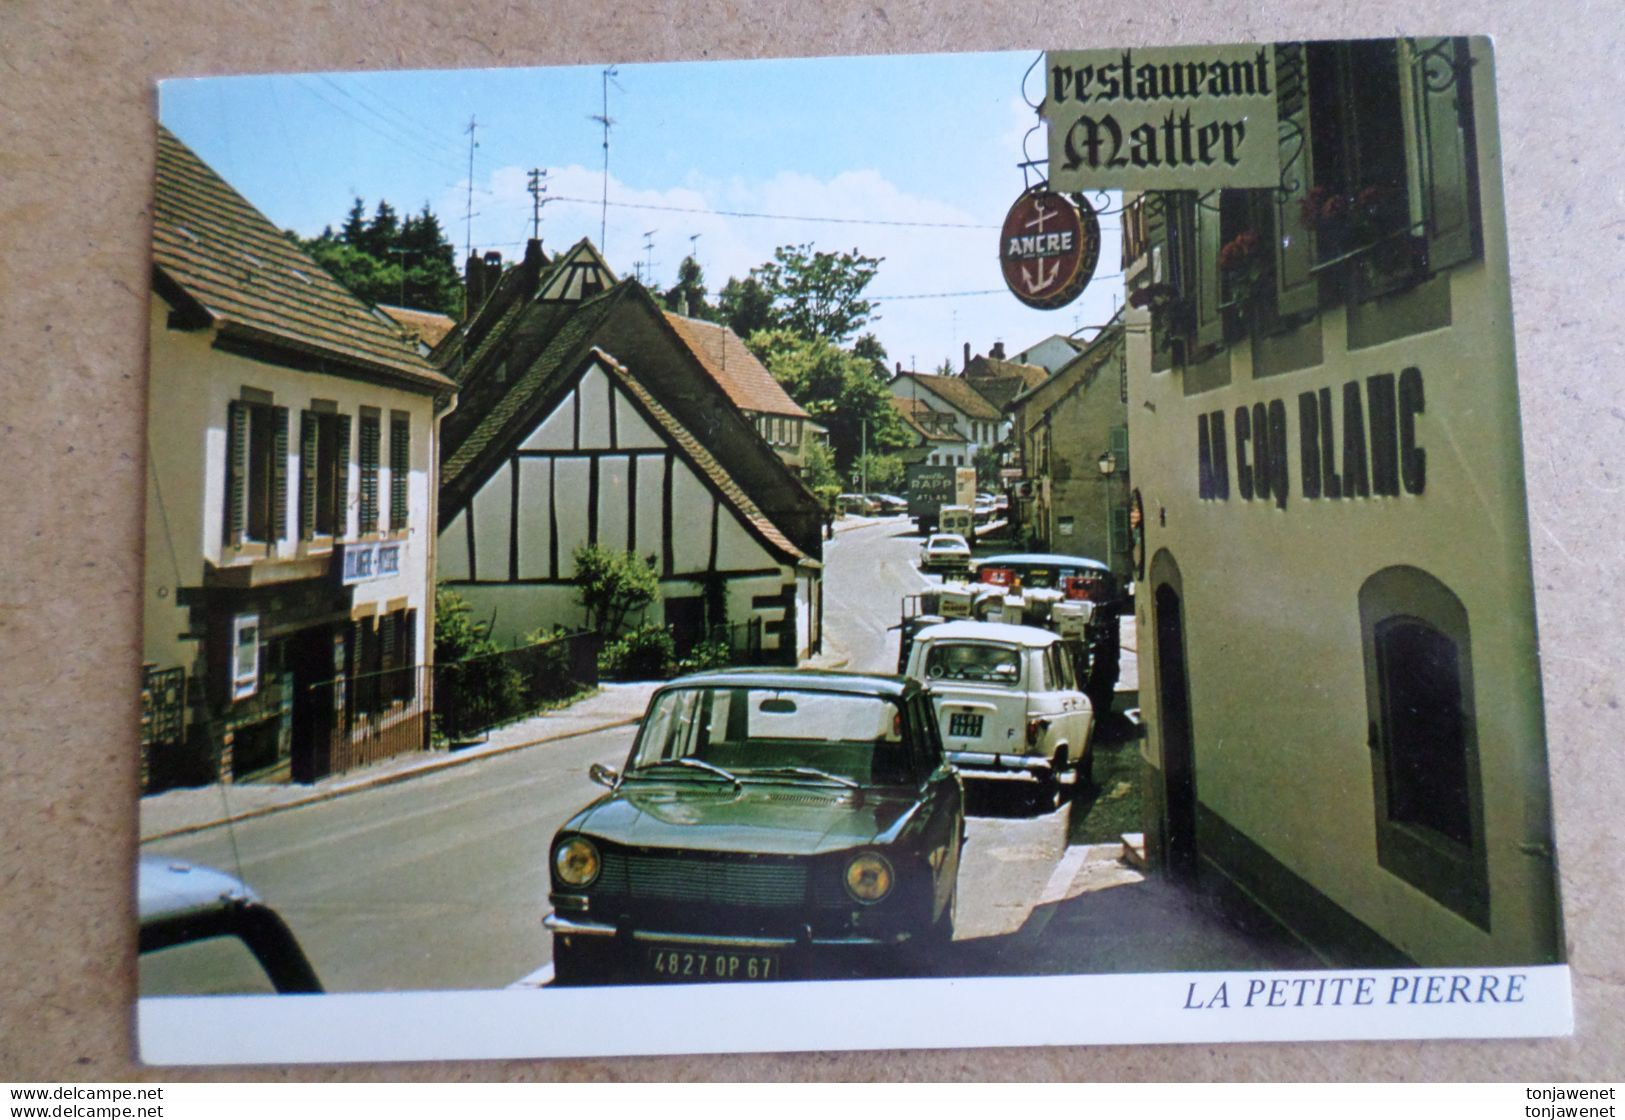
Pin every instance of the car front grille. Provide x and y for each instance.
(691, 879)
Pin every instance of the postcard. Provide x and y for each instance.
(919, 551)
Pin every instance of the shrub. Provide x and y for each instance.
(611, 584)
(638, 654)
(706, 655)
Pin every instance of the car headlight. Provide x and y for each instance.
(868, 877)
(576, 861)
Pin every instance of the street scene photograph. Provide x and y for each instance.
(1021, 515)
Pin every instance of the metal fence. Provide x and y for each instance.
(479, 693)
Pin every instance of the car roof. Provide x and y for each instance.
(171, 888)
(805, 680)
(947, 537)
(988, 632)
(1040, 559)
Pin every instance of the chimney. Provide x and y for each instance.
(480, 276)
(967, 354)
(998, 350)
(899, 367)
(534, 261)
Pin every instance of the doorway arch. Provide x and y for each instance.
(1174, 717)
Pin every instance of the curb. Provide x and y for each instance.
(430, 767)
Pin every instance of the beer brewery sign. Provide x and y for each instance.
(1180, 118)
(1048, 248)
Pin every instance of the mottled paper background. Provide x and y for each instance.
(77, 100)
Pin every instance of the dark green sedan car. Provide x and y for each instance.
(768, 824)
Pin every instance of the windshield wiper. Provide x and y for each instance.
(696, 763)
(805, 772)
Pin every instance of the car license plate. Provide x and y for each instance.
(712, 964)
(965, 725)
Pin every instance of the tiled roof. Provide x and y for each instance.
(428, 327)
(703, 461)
(726, 358)
(918, 415)
(1001, 369)
(1082, 369)
(216, 253)
(957, 392)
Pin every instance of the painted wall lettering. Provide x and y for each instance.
(1361, 442)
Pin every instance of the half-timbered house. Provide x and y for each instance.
(589, 418)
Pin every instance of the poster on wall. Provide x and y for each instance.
(610, 703)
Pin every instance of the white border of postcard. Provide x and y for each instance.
(1350, 1004)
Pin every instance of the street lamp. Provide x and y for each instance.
(1108, 467)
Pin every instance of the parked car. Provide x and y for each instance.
(1076, 578)
(857, 503)
(766, 821)
(945, 552)
(890, 503)
(180, 905)
(983, 509)
(1007, 700)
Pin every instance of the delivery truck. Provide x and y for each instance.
(934, 485)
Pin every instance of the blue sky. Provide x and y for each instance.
(873, 141)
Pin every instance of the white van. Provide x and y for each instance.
(1007, 699)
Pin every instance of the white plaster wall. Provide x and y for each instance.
(630, 429)
(452, 560)
(535, 525)
(614, 509)
(691, 520)
(493, 520)
(594, 390)
(737, 549)
(651, 492)
(571, 479)
(557, 432)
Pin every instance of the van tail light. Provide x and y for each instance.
(1035, 728)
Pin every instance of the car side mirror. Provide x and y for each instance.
(603, 775)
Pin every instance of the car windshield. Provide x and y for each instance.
(978, 661)
(738, 733)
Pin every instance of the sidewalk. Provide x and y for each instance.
(178, 811)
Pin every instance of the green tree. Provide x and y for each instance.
(818, 294)
(987, 461)
(880, 473)
(387, 260)
(687, 296)
(838, 389)
(746, 306)
(611, 584)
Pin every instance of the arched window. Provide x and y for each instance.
(1423, 738)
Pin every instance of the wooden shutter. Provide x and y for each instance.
(1296, 288)
(309, 435)
(236, 472)
(1205, 271)
(341, 482)
(1119, 446)
(279, 475)
(370, 436)
(400, 465)
(1444, 147)
(1120, 530)
(1158, 209)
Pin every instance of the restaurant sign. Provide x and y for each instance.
(1177, 118)
(1048, 248)
(363, 562)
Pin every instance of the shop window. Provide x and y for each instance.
(400, 468)
(324, 460)
(371, 436)
(1423, 738)
(256, 471)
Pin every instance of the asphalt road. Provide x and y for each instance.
(440, 882)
